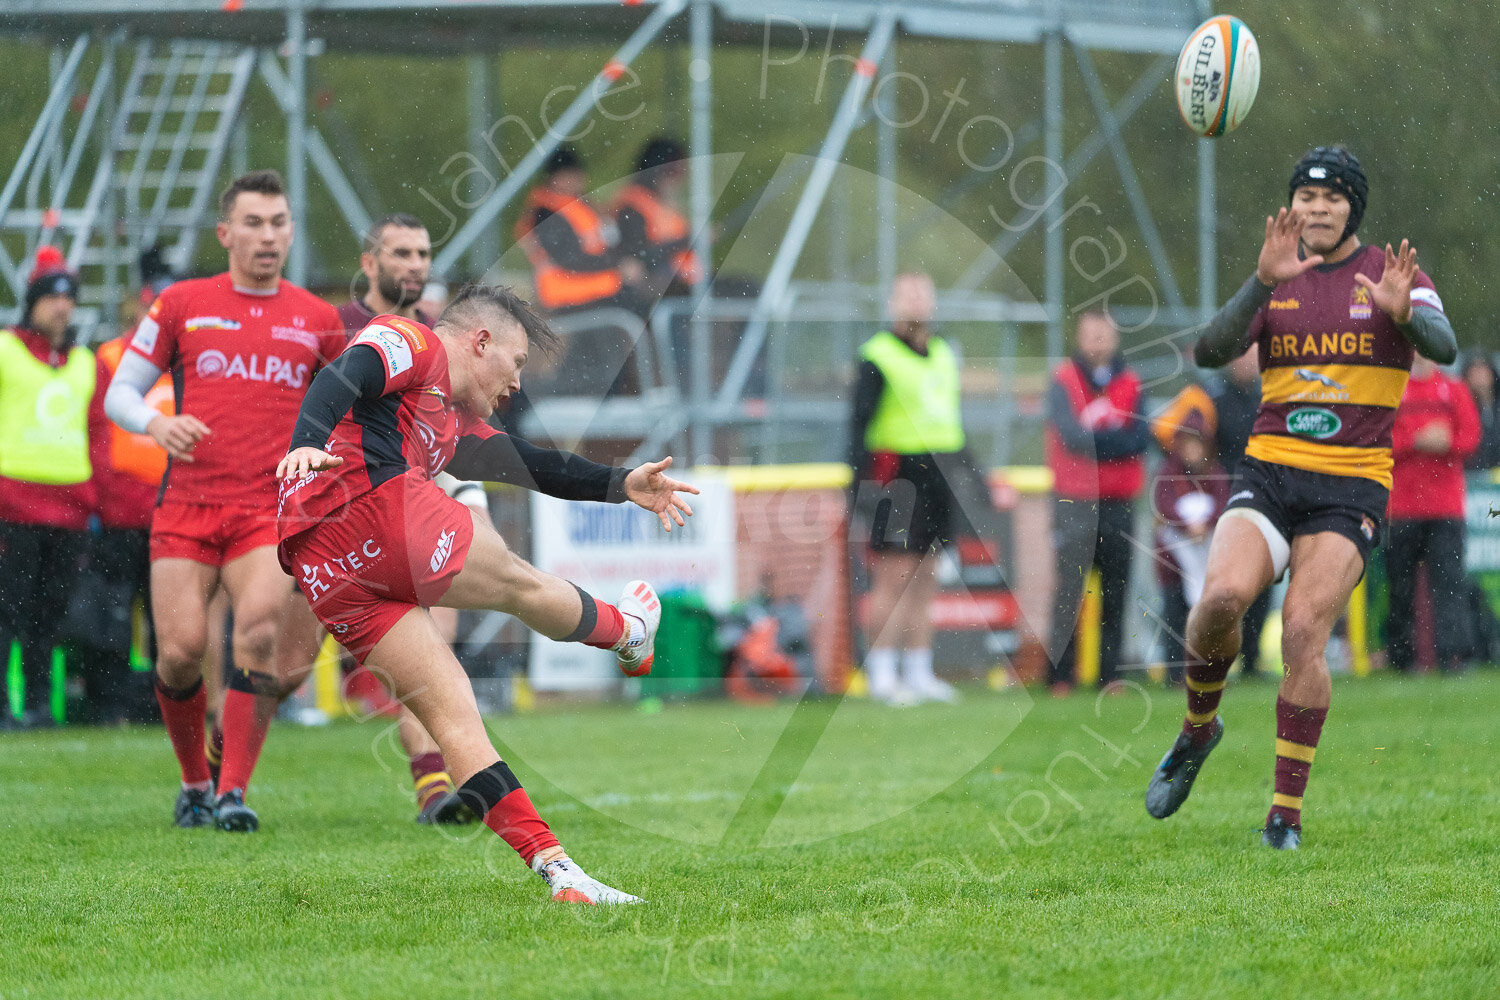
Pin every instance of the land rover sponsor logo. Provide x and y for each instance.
(1313, 422)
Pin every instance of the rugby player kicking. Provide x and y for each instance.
(374, 542)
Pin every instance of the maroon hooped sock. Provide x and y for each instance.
(215, 750)
(497, 795)
(1205, 686)
(430, 776)
(1297, 732)
(183, 713)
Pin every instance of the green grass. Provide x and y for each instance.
(996, 848)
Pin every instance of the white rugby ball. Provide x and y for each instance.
(1218, 74)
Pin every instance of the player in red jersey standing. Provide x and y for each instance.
(375, 543)
(242, 348)
(1337, 325)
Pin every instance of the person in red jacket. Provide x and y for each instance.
(1437, 427)
(1096, 442)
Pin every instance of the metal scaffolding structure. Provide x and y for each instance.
(162, 143)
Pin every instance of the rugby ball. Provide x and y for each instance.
(1218, 74)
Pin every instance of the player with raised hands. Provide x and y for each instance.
(1337, 324)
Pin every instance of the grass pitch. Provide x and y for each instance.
(995, 848)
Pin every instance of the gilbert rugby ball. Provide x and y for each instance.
(1218, 74)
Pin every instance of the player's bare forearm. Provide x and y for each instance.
(1431, 334)
(1223, 339)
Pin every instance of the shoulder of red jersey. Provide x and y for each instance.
(400, 341)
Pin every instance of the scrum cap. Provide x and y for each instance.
(1333, 167)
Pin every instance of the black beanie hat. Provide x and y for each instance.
(1333, 167)
(50, 276)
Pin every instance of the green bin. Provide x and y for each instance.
(688, 660)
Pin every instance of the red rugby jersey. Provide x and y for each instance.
(1425, 486)
(241, 362)
(1333, 368)
(413, 425)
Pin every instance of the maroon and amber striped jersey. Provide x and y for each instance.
(1333, 368)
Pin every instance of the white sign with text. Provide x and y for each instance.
(601, 547)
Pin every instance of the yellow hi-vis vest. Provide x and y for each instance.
(918, 412)
(44, 415)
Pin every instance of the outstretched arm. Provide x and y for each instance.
(504, 458)
(1224, 338)
(1279, 261)
(650, 487)
(1427, 329)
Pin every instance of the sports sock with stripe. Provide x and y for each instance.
(1297, 733)
(215, 748)
(495, 794)
(1205, 686)
(601, 625)
(183, 713)
(430, 776)
(249, 705)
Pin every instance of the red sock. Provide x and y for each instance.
(1205, 686)
(184, 712)
(495, 794)
(430, 775)
(1297, 733)
(249, 705)
(601, 626)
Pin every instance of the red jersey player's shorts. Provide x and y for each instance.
(385, 552)
(211, 534)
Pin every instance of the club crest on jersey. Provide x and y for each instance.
(210, 323)
(1359, 303)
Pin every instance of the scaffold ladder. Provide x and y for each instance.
(157, 145)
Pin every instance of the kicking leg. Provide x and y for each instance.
(1240, 565)
(495, 578)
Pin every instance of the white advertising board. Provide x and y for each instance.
(601, 547)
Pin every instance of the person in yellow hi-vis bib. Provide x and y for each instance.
(48, 411)
(906, 440)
